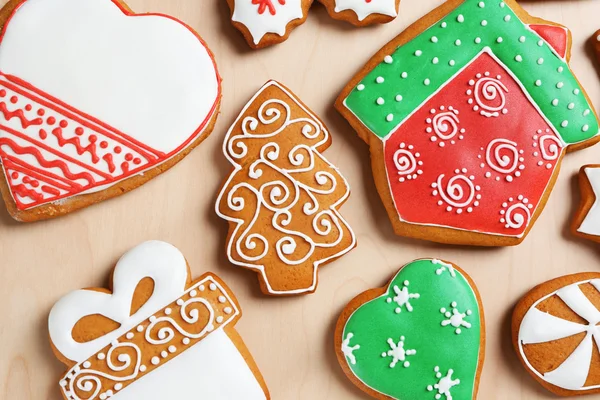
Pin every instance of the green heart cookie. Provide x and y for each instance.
(423, 338)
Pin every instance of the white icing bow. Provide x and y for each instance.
(160, 261)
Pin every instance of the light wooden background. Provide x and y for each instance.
(291, 339)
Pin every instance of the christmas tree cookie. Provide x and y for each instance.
(155, 335)
(420, 337)
(468, 114)
(556, 334)
(282, 200)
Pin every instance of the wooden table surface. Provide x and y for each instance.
(291, 339)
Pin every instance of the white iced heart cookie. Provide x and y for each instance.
(181, 332)
(83, 107)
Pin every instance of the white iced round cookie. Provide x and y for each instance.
(150, 76)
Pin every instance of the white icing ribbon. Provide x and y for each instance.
(541, 327)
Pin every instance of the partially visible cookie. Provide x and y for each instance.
(88, 112)
(155, 335)
(586, 222)
(362, 12)
(420, 337)
(267, 22)
(596, 42)
(282, 200)
(468, 114)
(556, 334)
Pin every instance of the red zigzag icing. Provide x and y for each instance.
(45, 163)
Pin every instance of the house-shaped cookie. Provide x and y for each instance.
(468, 114)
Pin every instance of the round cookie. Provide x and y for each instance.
(555, 334)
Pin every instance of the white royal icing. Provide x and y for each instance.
(591, 222)
(267, 16)
(365, 8)
(542, 327)
(157, 260)
(148, 76)
(212, 369)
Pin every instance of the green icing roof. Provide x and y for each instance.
(416, 70)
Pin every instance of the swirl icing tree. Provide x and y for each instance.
(468, 114)
(154, 335)
(82, 117)
(420, 337)
(282, 199)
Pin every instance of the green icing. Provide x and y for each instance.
(449, 46)
(375, 322)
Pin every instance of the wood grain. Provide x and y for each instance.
(291, 339)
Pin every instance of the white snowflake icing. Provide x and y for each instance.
(443, 267)
(398, 353)
(456, 318)
(444, 384)
(402, 298)
(349, 350)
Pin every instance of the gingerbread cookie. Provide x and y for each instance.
(468, 114)
(586, 223)
(82, 117)
(282, 199)
(556, 335)
(420, 337)
(267, 22)
(362, 12)
(154, 335)
(596, 43)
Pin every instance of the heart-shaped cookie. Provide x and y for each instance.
(556, 334)
(420, 337)
(86, 110)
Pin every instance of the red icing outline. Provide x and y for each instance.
(557, 37)
(154, 157)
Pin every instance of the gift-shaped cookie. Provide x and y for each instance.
(95, 101)
(420, 337)
(556, 334)
(282, 199)
(154, 335)
(468, 114)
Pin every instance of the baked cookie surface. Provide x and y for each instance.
(555, 334)
(468, 114)
(282, 200)
(420, 337)
(95, 119)
(155, 335)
